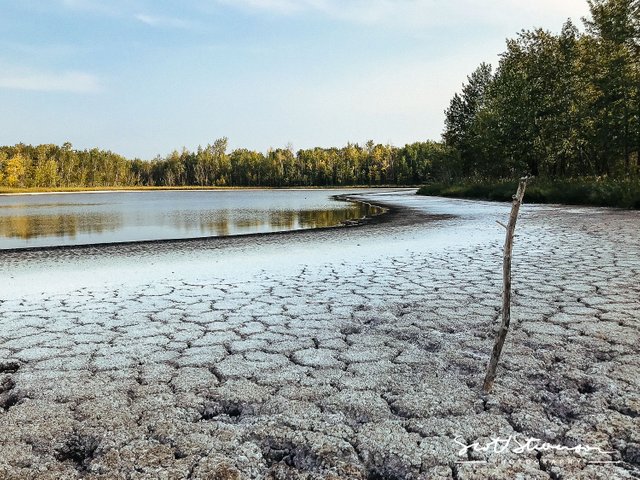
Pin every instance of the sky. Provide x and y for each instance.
(145, 77)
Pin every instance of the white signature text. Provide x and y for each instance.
(514, 444)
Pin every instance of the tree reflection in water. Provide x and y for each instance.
(61, 225)
(34, 222)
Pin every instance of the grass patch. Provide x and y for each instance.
(602, 192)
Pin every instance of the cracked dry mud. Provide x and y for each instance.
(355, 353)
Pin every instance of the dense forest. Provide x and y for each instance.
(47, 166)
(557, 106)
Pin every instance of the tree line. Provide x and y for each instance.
(50, 166)
(558, 105)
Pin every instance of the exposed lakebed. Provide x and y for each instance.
(109, 217)
(351, 353)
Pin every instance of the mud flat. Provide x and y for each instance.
(350, 353)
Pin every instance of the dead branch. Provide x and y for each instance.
(506, 292)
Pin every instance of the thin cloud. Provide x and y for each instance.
(70, 82)
(162, 22)
(125, 9)
(276, 6)
(423, 13)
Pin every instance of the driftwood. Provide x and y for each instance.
(506, 292)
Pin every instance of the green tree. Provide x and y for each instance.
(615, 56)
(46, 173)
(460, 117)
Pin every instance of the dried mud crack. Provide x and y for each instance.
(329, 365)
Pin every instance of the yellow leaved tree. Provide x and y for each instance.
(15, 170)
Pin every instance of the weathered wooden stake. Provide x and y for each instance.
(506, 292)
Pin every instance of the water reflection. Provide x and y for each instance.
(60, 226)
(47, 205)
(47, 223)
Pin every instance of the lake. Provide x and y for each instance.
(45, 220)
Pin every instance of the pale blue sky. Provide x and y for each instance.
(144, 77)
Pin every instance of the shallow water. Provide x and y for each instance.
(93, 218)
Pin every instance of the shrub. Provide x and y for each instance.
(596, 191)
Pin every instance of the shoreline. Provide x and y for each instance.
(74, 190)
